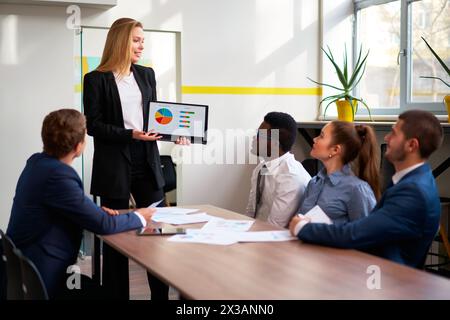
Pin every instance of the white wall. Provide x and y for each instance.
(239, 43)
(36, 76)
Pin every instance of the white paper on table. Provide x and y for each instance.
(204, 237)
(317, 215)
(174, 210)
(182, 219)
(219, 224)
(265, 236)
(154, 204)
(164, 212)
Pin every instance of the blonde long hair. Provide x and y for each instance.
(117, 51)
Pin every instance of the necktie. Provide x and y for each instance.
(260, 187)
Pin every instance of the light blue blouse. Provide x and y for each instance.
(341, 195)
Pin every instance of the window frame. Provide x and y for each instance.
(404, 57)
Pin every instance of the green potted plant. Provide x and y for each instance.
(347, 104)
(442, 63)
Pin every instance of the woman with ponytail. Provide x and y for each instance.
(344, 149)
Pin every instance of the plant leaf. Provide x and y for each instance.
(326, 108)
(338, 70)
(345, 63)
(358, 69)
(359, 57)
(337, 96)
(324, 84)
(367, 107)
(437, 57)
(333, 99)
(331, 53)
(436, 78)
(359, 79)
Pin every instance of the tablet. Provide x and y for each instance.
(153, 231)
(172, 120)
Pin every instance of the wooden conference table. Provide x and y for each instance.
(276, 270)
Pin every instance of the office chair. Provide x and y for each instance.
(387, 169)
(313, 166)
(13, 273)
(169, 173)
(441, 237)
(32, 284)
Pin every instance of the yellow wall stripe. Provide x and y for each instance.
(250, 90)
(84, 66)
(243, 90)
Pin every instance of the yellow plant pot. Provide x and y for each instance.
(345, 112)
(447, 103)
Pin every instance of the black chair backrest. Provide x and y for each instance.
(169, 172)
(32, 284)
(387, 169)
(13, 270)
(313, 166)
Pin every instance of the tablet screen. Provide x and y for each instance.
(172, 120)
(154, 231)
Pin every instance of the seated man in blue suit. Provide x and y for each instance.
(50, 209)
(403, 224)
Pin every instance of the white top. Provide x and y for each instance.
(399, 175)
(131, 101)
(284, 184)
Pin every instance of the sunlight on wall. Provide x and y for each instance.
(8, 40)
(160, 47)
(136, 9)
(308, 13)
(270, 33)
(174, 23)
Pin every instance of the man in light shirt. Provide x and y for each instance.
(278, 181)
(403, 224)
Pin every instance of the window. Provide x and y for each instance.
(392, 30)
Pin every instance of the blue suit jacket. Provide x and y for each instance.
(49, 213)
(400, 228)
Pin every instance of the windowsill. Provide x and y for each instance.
(380, 118)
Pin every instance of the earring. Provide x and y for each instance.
(329, 156)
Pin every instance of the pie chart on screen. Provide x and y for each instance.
(163, 116)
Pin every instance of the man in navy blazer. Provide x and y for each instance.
(403, 224)
(50, 209)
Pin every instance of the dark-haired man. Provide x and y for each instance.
(403, 224)
(278, 181)
(50, 209)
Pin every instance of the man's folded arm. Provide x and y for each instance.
(398, 219)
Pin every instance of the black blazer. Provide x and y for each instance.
(111, 169)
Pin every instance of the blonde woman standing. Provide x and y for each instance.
(126, 160)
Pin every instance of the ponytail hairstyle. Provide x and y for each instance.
(117, 52)
(360, 148)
